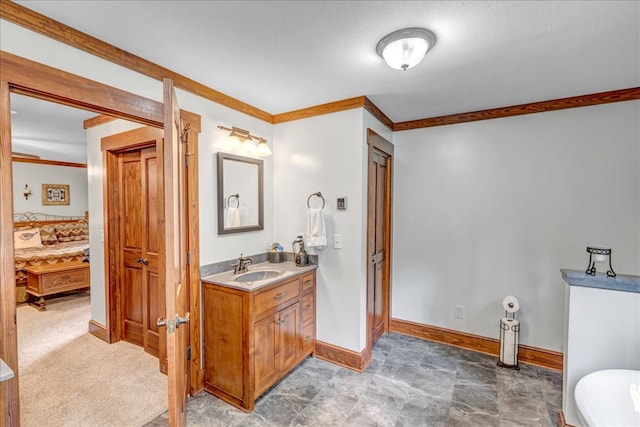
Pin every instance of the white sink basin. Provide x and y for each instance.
(254, 276)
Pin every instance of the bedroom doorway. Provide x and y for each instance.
(47, 352)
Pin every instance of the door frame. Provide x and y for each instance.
(377, 142)
(112, 146)
(26, 77)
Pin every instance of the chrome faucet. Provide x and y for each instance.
(241, 266)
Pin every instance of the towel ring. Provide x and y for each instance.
(318, 194)
(237, 197)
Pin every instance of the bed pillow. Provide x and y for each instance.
(48, 234)
(72, 231)
(24, 239)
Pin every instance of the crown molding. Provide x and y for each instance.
(48, 162)
(518, 110)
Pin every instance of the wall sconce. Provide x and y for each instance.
(404, 49)
(26, 192)
(599, 254)
(241, 140)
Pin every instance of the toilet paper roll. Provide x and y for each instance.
(511, 304)
(509, 341)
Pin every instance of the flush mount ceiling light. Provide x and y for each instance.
(241, 140)
(404, 49)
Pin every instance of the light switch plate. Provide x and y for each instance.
(337, 241)
(341, 203)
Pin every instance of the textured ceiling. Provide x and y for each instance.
(280, 56)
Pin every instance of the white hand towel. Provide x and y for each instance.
(233, 217)
(316, 230)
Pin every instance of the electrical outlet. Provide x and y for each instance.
(459, 312)
(337, 241)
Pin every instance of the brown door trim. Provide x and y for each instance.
(377, 143)
(34, 79)
(9, 393)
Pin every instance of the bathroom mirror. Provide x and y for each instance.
(240, 196)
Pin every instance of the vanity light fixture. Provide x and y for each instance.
(404, 49)
(241, 140)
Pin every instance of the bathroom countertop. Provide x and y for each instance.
(286, 269)
(622, 282)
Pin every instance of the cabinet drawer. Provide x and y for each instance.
(307, 307)
(307, 282)
(308, 337)
(274, 297)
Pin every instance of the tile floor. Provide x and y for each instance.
(409, 383)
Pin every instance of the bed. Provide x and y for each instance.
(42, 239)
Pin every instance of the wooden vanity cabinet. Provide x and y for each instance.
(253, 338)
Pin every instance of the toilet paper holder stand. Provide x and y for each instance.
(509, 337)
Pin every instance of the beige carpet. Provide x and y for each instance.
(68, 377)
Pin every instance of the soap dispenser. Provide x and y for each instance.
(300, 256)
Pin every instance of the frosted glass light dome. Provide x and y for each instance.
(404, 49)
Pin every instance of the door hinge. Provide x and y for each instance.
(188, 258)
(189, 353)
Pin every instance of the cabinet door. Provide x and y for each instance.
(266, 339)
(290, 337)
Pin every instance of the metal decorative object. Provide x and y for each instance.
(26, 192)
(599, 255)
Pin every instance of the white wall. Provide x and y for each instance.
(494, 208)
(96, 212)
(35, 175)
(213, 248)
(326, 153)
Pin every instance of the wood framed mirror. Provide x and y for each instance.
(240, 194)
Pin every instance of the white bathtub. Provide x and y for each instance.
(604, 398)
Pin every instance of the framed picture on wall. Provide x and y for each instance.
(55, 194)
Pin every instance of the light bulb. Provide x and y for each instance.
(263, 149)
(405, 53)
(248, 146)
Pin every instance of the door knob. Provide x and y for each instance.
(181, 320)
(161, 322)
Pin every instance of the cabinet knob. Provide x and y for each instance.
(280, 295)
(279, 322)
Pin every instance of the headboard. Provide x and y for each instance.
(26, 219)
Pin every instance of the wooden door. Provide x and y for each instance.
(378, 236)
(142, 292)
(174, 267)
